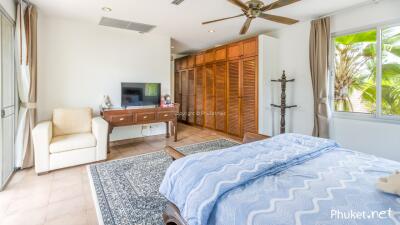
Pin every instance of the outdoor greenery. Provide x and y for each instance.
(356, 70)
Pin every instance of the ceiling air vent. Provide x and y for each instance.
(177, 2)
(128, 25)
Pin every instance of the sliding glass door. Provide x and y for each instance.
(7, 99)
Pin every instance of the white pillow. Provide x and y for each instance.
(72, 121)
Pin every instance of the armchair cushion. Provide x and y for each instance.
(72, 142)
(72, 121)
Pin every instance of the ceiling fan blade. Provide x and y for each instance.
(239, 3)
(246, 26)
(278, 19)
(227, 18)
(278, 4)
(177, 2)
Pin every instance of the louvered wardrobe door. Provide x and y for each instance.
(191, 96)
(249, 95)
(185, 91)
(209, 98)
(199, 95)
(220, 96)
(178, 91)
(233, 110)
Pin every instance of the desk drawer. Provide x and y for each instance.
(125, 119)
(166, 116)
(145, 117)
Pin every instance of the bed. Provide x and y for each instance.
(288, 179)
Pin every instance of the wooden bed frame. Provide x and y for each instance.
(171, 214)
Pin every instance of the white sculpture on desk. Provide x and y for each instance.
(106, 102)
(167, 99)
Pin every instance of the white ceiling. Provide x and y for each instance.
(183, 22)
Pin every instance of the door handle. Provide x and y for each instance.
(3, 113)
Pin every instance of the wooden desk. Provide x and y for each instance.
(128, 117)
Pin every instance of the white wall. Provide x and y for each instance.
(293, 58)
(268, 117)
(377, 138)
(79, 63)
(10, 7)
(385, 11)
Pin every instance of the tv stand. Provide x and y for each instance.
(139, 116)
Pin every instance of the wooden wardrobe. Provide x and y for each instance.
(219, 88)
(184, 88)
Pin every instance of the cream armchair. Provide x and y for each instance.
(72, 138)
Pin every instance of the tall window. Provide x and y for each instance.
(391, 71)
(367, 72)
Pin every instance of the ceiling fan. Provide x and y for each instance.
(255, 9)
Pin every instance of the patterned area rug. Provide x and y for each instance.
(127, 189)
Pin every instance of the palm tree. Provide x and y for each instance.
(355, 64)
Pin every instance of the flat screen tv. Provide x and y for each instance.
(140, 94)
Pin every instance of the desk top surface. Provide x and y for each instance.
(141, 107)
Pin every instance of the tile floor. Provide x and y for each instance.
(64, 196)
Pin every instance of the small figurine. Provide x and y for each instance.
(106, 102)
(167, 99)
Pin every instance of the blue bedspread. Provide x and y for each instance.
(289, 179)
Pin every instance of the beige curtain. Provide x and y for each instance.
(319, 60)
(26, 39)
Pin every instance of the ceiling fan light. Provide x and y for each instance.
(253, 9)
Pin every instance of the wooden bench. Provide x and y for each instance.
(248, 137)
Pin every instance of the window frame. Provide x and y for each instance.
(374, 117)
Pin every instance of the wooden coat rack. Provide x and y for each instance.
(283, 105)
